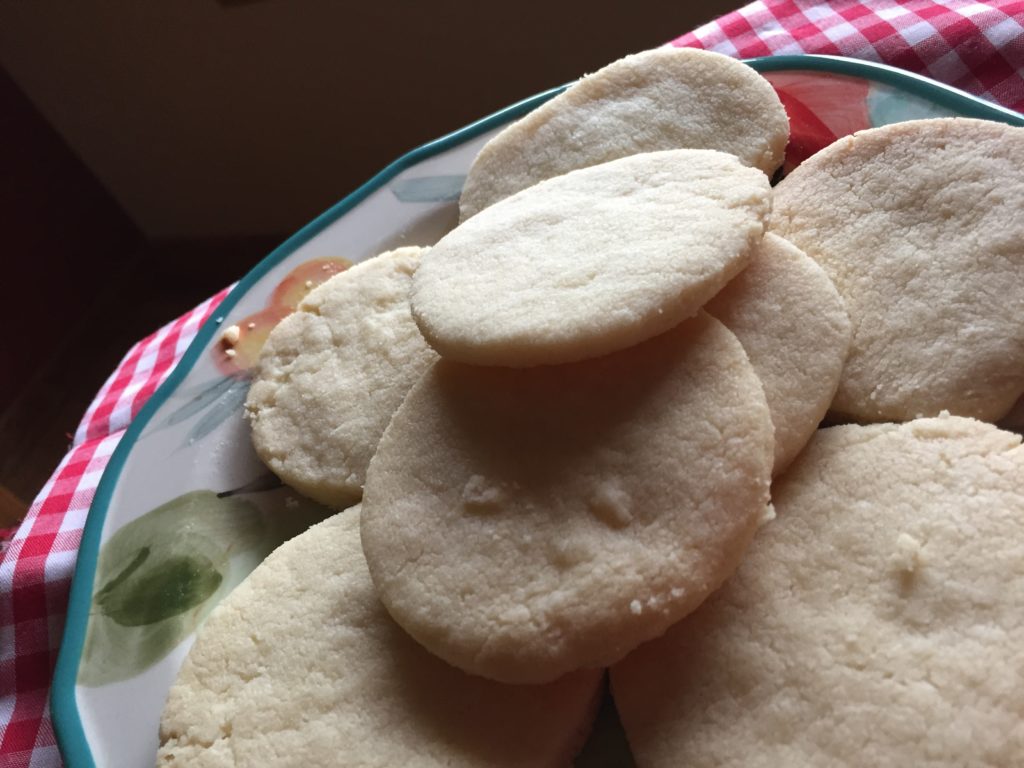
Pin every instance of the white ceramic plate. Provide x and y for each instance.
(185, 510)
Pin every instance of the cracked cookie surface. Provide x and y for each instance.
(876, 621)
(331, 375)
(666, 98)
(301, 666)
(524, 523)
(918, 225)
(591, 262)
(792, 324)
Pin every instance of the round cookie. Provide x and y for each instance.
(876, 621)
(918, 224)
(666, 98)
(792, 325)
(524, 523)
(331, 375)
(301, 666)
(591, 262)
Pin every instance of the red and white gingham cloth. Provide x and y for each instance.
(36, 569)
(978, 47)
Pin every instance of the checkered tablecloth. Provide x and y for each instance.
(978, 47)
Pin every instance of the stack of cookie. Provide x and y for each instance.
(563, 421)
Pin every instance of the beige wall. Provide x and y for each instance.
(209, 118)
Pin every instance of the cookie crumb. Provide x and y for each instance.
(907, 557)
(636, 607)
(480, 495)
(231, 335)
(611, 505)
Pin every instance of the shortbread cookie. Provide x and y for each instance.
(877, 621)
(918, 224)
(524, 523)
(591, 262)
(792, 325)
(667, 98)
(301, 666)
(332, 374)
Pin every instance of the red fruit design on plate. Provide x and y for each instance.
(822, 108)
(304, 278)
(237, 357)
(239, 346)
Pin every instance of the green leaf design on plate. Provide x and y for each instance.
(198, 402)
(178, 584)
(160, 575)
(228, 404)
(114, 583)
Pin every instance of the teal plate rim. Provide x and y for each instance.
(71, 739)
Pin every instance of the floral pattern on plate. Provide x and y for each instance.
(161, 548)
